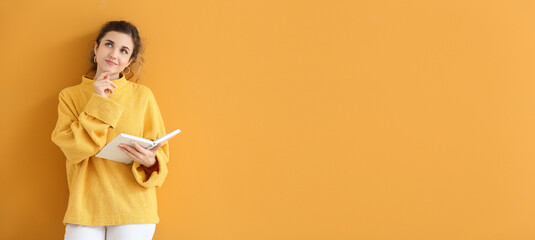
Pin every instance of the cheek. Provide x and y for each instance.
(124, 61)
(103, 51)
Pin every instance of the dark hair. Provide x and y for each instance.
(122, 27)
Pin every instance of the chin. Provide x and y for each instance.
(113, 72)
(111, 69)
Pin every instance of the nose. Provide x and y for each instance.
(113, 54)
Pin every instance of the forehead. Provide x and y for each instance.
(119, 38)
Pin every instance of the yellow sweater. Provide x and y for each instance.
(105, 192)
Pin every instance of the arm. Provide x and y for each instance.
(153, 128)
(81, 136)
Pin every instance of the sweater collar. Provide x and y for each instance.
(119, 82)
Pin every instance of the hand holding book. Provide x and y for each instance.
(112, 151)
(145, 157)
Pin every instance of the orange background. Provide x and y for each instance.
(300, 119)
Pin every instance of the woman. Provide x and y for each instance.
(108, 199)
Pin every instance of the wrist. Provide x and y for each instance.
(153, 166)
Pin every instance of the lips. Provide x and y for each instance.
(111, 63)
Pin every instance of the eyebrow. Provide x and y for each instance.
(114, 43)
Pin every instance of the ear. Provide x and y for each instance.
(95, 48)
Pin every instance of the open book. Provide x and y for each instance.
(112, 151)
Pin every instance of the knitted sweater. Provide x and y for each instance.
(104, 192)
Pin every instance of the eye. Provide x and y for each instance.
(108, 44)
(124, 51)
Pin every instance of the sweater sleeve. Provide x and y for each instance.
(153, 128)
(81, 136)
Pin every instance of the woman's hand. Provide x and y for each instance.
(103, 84)
(146, 157)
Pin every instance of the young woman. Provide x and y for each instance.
(108, 199)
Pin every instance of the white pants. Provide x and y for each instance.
(110, 232)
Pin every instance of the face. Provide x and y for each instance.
(114, 52)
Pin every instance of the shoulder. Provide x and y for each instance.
(70, 91)
(142, 90)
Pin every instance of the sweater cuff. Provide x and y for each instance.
(104, 109)
(149, 170)
(155, 178)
